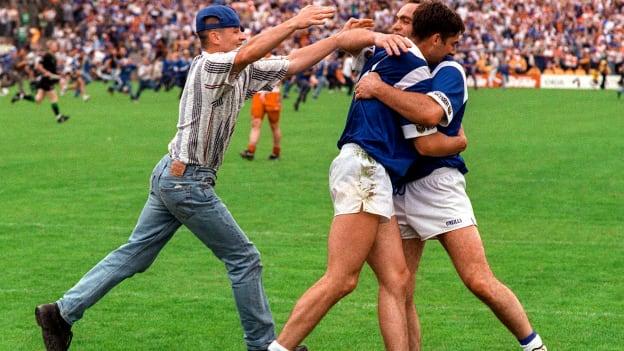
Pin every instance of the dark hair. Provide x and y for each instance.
(431, 17)
(203, 35)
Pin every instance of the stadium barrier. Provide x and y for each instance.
(570, 81)
(515, 81)
(546, 81)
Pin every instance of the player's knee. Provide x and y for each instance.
(348, 286)
(343, 286)
(398, 282)
(245, 267)
(406, 282)
(481, 286)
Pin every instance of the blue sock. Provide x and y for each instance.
(528, 339)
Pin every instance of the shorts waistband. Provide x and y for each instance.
(443, 170)
(351, 146)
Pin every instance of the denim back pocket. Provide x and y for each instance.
(176, 194)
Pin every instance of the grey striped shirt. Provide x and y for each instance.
(211, 101)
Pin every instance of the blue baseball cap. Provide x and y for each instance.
(228, 18)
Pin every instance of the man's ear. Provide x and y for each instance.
(214, 37)
(437, 39)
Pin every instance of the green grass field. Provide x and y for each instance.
(546, 183)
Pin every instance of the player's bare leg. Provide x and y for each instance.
(351, 239)
(254, 136)
(277, 137)
(465, 249)
(413, 249)
(40, 95)
(387, 261)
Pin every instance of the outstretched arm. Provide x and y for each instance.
(349, 40)
(416, 107)
(261, 44)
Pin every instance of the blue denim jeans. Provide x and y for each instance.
(173, 201)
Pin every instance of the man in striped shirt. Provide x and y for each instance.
(182, 192)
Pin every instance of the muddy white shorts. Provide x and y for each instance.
(358, 183)
(434, 205)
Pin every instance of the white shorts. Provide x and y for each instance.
(434, 205)
(358, 183)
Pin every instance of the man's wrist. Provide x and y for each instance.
(291, 25)
(377, 88)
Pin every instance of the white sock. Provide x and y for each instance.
(533, 344)
(275, 346)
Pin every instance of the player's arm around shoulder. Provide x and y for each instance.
(416, 107)
(440, 145)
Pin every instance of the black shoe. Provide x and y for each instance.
(247, 155)
(17, 97)
(273, 157)
(56, 331)
(296, 106)
(62, 118)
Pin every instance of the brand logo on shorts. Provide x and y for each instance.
(453, 222)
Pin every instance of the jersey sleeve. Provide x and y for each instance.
(412, 130)
(402, 72)
(265, 74)
(448, 89)
(215, 72)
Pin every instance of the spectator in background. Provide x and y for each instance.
(621, 82)
(572, 34)
(304, 83)
(469, 64)
(320, 72)
(503, 68)
(603, 70)
(332, 72)
(145, 74)
(347, 73)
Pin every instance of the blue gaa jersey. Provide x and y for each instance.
(449, 89)
(375, 127)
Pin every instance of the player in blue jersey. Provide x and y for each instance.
(373, 154)
(434, 203)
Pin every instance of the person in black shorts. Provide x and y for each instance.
(47, 77)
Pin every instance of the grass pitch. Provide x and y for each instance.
(545, 180)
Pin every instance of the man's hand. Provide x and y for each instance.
(393, 43)
(313, 15)
(366, 87)
(353, 23)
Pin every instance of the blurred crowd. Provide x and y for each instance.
(153, 42)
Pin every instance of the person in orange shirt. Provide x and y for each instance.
(265, 103)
